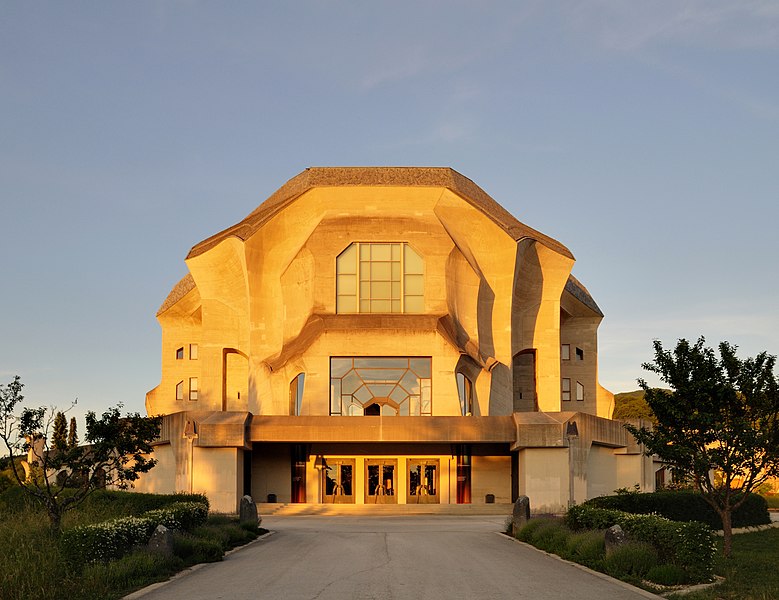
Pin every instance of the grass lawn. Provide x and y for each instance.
(34, 565)
(752, 573)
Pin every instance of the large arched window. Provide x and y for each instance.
(380, 278)
(296, 394)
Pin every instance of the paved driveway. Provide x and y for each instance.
(383, 558)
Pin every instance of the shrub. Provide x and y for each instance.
(685, 505)
(631, 559)
(688, 545)
(667, 575)
(586, 547)
(548, 534)
(196, 550)
(109, 540)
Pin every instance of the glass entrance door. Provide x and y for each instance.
(380, 481)
(422, 482)
(339, 481)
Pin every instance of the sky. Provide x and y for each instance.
(642, 135)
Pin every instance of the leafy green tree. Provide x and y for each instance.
(115, 452)
(60, 434)
(718, 425)
(631, 405)
(72, 434)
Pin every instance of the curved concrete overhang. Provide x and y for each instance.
(443, 177)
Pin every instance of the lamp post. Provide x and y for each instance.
(571, 433)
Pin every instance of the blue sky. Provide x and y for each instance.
(643, 135)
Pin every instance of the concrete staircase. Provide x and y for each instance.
(281, 508)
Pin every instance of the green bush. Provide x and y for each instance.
(547, 534)
(631, 559)
(688, 545)
(196, 550)
(109, 540)
(586, 547)
(667, 575)
(685, 505)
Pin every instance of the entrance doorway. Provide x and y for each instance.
(381, 481)
(339, 481)
(422, 482)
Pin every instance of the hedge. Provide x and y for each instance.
(689, 545)
(109, 540)
(685, 506)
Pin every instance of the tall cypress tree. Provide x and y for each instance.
(60, 433)
(72, 434)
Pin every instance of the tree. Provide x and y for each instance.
(718, 425)
(114, 454)
(72, 434)
(59, 437)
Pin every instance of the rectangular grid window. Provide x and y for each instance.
(193, 388)
(380, 278)
(565, 352)
(579, 392)
(566, 388)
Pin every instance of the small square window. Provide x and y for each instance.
(193, 388)
(180, 353)
(193, 351)
(566, 388)
(180, 390)
(565, 352)
(579, 392)
(579, 354)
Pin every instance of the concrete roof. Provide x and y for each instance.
(380, 176)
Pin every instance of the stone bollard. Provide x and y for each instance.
(521, 514)
(161, 541)
(248, 512)
(615, 538)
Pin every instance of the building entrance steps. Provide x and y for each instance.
(365, 510)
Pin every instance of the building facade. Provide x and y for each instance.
(384, 336)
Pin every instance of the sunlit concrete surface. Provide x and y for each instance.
(382, 558)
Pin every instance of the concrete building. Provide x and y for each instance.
(385, 336)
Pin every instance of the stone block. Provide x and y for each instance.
(248, 511)
(615, 538)
(521, 514)
(161, 541)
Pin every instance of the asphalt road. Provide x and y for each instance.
(390, 558)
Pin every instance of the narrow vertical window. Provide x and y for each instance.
(579, 392)
(193, 352)
(180, 390)
(180, 353)
(193, 388)
(566, 387)
(465, 392)
(579, 354)
(565, 352)
(296, 394)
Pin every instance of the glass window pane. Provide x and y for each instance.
(421, 366)
(410, 382)
(347, 285)
(413, 406)
(381, 252)
(414, 304)
(335, 397)
(365, 306)
(388, 411)
(396, 252)
(398, 394)
(346, 304)
(381, 271)
(350, 383)
(340, 366)
(365, 290)
(566, 385)
(378, 306)
(565, 352)
(381, 290)
(415, 285)
(193, 351)
(395, 290)
(365, 271)
(413, 262)
(364, 394)
(396, 306)
(579, 391)
(381, 390)
(347, 261)
(365, 251)
(395, 271)
(381, 375)
(425, 399)
(380, 362)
